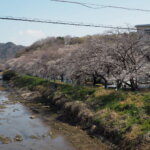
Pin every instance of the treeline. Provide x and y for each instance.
(120, 59)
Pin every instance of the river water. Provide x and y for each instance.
(20, 130)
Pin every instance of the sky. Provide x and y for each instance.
(25, 33)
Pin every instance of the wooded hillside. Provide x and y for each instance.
(120, 59)
(9, 50)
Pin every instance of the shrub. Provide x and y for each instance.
(8, 75)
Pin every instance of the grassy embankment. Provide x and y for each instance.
(121, 116)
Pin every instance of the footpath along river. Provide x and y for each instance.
(20, 131)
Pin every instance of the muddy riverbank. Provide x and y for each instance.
(33, 126)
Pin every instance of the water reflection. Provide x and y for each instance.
(15, 121)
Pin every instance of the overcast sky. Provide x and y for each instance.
(26, 33)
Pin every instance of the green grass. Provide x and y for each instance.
(108, 101)
(129, 109)
(71, 92)
(128, 113)
(145, 126)
(146, 99)
(29, 81)
(76, 92)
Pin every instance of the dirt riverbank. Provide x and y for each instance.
(66, 136)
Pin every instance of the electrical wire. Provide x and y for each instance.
(98, 6)
(64, 23)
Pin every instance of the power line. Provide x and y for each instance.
(98, 6)
(78, 3)
(65, 23)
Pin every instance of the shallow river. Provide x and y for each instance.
(19, 130)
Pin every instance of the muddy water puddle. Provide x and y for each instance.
(21, 129)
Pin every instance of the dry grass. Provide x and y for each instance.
(134, 132)
(102, 92)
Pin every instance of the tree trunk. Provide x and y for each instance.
(94, 80)
(106, 84)
(134, 85)
(119, 84)
(62, 78)
(105, 81)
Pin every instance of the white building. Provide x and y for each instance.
(145, 28)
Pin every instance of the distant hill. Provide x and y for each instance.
(9, 50)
